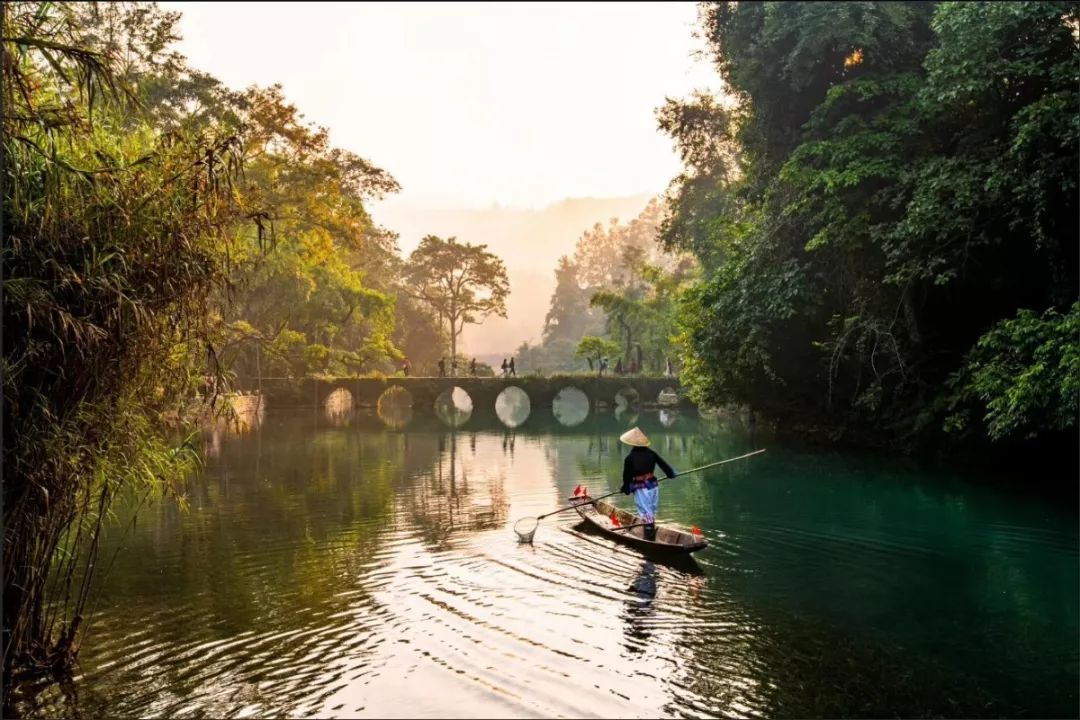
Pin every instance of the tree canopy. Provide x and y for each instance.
(462, 283)
(890, 195)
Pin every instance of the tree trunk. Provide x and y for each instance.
(453, 330)
(453, 339)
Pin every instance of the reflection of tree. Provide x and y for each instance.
(242, 415)
(442, 500)
(395, 409)
(256, 546)
(508, 439)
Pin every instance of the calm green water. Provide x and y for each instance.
(349, 568)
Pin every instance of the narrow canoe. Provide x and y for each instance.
(669, 539)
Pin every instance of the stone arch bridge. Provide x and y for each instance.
(483, 391)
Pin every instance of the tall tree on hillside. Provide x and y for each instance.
(599, 252)
(461, 282)
(569, 315)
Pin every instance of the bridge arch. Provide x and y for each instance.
(627, 396)
(571, 406)
(513, 406)
(454, 406)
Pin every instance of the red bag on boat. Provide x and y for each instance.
(614, 520)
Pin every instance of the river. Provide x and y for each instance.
(343, 567)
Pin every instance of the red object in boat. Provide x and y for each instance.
(614, 520)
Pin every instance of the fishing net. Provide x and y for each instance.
(525, 528)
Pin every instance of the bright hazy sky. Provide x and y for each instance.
(469, 105)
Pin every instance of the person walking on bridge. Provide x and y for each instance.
(442, 367)
(639, 477)
(512, 370)
(472, 367)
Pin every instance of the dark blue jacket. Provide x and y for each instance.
(642, 461)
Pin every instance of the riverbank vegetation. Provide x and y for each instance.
(164, 235)
(885, 212)
(620, 284)
(874, 238)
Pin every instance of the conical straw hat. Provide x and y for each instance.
(634, 437)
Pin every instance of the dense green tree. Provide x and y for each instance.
(607, 288)
(892, 181)
(642, 314)
(595, 348)
(599, 254)
(322, 301)
(569, 315)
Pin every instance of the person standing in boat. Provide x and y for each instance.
(639, 477)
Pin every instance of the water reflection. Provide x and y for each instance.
(454, 407)
(639, 609)
(570, 407)
(330, 572)
(508, 440)
(239, 415)
(395, 408)
(628, 399)
(512, 406)
(339, 407)
(442, 501)
(626, 414)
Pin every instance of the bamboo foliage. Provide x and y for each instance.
(115, 236)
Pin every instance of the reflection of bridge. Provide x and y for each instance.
(365, 392)
(541, 422)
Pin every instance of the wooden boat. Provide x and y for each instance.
(669, 539)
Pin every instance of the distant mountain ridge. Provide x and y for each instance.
(529, 242)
